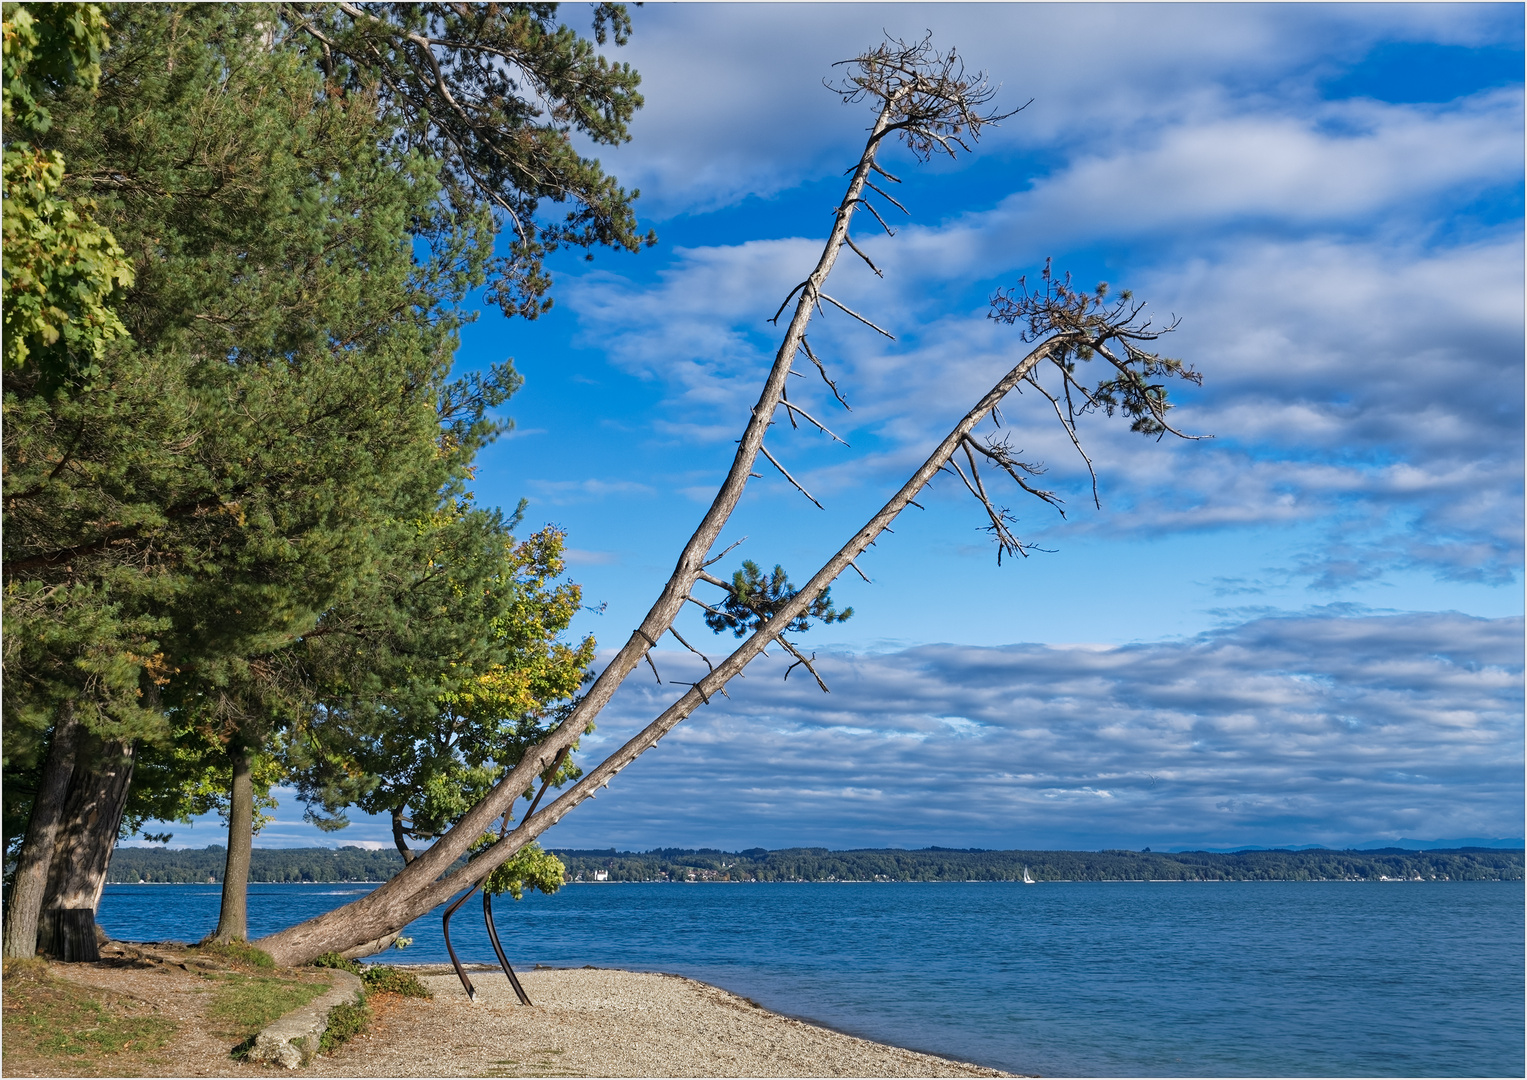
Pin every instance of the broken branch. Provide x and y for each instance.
(855, 314)
(801, 660)
(786, 474)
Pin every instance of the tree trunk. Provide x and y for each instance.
(411, 892)
(930, 104)
(31, 881)
(419, 887)
(233, 919)
(401, 840)
(92, 815)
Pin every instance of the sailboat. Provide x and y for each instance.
(1026, 879)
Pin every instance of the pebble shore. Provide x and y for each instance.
(599, 1022)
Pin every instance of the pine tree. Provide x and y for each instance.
(184, 505)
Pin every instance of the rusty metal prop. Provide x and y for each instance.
(445, 928)
(487, 909)
(487, 918)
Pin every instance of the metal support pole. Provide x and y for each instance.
(487, 917)
(445, 928)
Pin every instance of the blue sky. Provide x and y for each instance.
(1305, 630)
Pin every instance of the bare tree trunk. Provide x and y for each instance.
(233, 918)
(927, 99)
(339, 929)
(31, 881)
(92, 815)
(386, 909)
(398, 837)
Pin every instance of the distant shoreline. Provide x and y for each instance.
(357, 866)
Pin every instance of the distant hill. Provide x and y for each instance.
(181, 866)
(1509, 843)
(350, 864)
(945, 864)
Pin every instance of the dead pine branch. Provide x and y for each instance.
(850, 311)
(647, 656)
(801, 661)
(1068, 424)
(823, 428)
(786, 474)
(692, 649)
(724, 552)
(822, 370)
(867, 260)
(999, 452)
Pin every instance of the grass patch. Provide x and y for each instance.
(384, 979)
(52, 1020)
(379, 978)
(243, 1004)
(236, 954)
(346, 1021)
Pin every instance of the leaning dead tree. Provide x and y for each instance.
(926, 100)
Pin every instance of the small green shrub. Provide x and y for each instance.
(334, 960)
(345, 1022)
(238, 953)
(384, 979)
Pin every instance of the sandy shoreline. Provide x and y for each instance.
(603, 1022)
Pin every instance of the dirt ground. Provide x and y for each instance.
(140, 1011)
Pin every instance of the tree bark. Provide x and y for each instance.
(30, 884)
(398, 838)
(88, 834)
(233, 918)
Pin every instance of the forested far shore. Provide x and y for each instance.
(353, 864)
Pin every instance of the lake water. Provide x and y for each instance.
(1119, 979)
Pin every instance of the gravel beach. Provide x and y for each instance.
(598, 1022)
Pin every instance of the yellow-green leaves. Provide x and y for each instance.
(528, 868)
(62, 270)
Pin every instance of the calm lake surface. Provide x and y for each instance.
(1120, 979)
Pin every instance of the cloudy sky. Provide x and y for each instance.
(1306, 629)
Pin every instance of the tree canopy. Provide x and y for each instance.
(251, 454)
(495, 93)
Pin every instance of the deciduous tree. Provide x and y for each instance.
(62, 269)
(431, 686)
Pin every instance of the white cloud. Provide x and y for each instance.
(559, 492)
(1321, 728)
(1363, 367)
(735, 104)
(1340, 163)
(580, 557)
(1312, 729)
